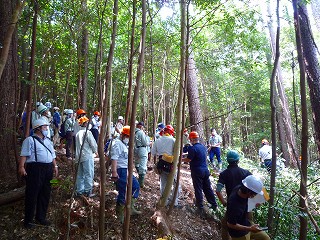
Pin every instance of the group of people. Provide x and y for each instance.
(38, 164)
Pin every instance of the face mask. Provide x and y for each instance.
(45, 133)
(125, 141)
(96, 118)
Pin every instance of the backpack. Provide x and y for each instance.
(62, 132)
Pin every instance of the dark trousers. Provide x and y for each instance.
(38, 189)
(95, 133)
(215, 151)
(201, 182)
(69, 145)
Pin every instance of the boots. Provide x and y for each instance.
(133, 210)
(141, 180)
(120, 212)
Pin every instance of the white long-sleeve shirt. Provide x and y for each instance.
(89, 145)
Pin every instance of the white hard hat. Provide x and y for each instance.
(48, 104)
(56, 108)
(253, 183)
(120, 118)
(41, 109)
(38, 104)
(39, 122)
(69, 111)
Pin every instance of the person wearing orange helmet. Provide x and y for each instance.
(96, 123)
(265, 154)
(86, 146)
(119, 166)
(163, 146)
(79, 114)
(197, 157)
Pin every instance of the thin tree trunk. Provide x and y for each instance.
(290, 151)
(125, 232)
(104, 122)
(273, 122)
(304, 124)
(130, 63)
(31, 70)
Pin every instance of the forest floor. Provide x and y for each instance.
(84, 212)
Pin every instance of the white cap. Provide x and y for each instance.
(254, 184)
(39, 122)
(120, 118)
(41, 109)
(69, 111)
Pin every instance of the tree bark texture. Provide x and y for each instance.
(290, 151)
(312, 68)
(195, 113)
(9, 86)
(304, 123)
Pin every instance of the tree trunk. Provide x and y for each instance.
(273, 122)
(83, 62)
(304, 114)
(290, 151)
(104, 122)
(125, 232)
(195, 113)
(9, 13)
(130, 63)
(310, 54)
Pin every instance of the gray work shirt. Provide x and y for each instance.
(43, 155)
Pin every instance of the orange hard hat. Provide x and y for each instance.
(96, 113)
(264, 141)
(82, 120)
(169, 129)
(126, 130)
(81, 111)
(193, 135)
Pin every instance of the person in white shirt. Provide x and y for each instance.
(86, 146)
(164, 145)
(265, 153)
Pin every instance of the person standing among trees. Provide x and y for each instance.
(162, 149)
(197, 157)
(119, 166)
(229, 178)
(215, 141)
(141, 153)
(265, 153)
(45, 114)
(119, 125)
(238, 223)
(37, 164)
(87, 146)
(96, 123)
(69, 127)
(56, 120)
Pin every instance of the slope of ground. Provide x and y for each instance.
(83, 212)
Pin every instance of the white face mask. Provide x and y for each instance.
(125, 141)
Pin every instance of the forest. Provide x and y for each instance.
(248, 69)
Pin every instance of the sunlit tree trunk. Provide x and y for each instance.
(195, 113)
